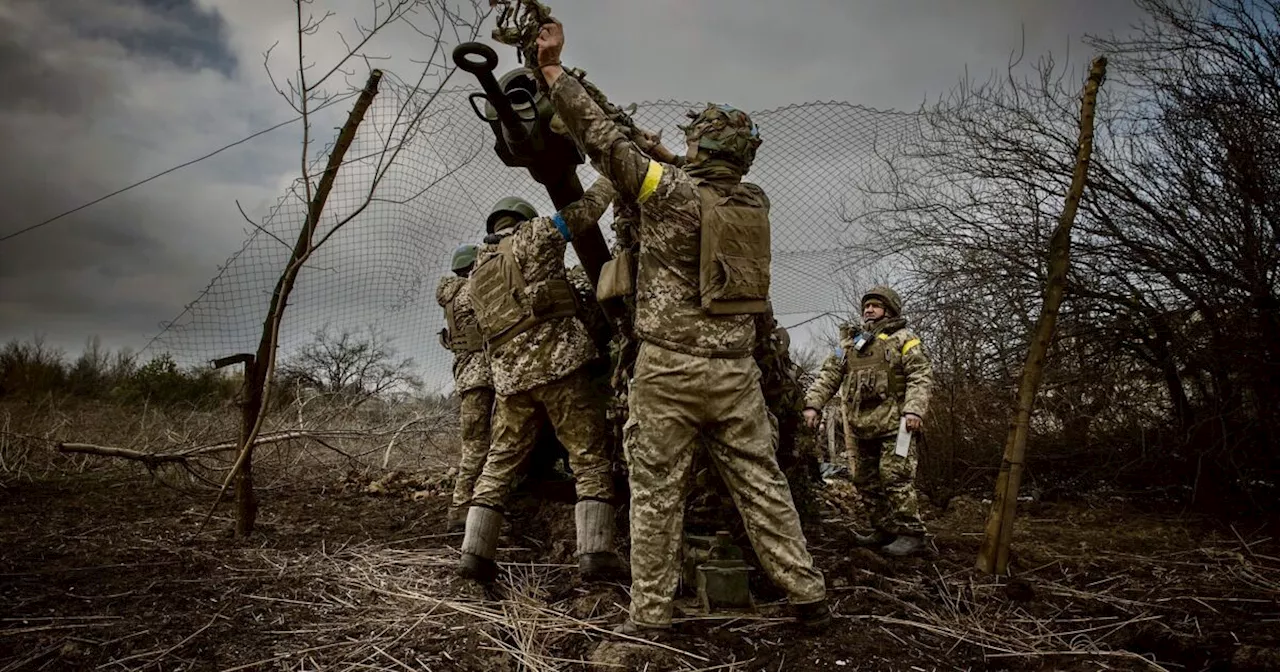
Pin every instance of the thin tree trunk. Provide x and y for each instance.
(993, 557)
(264, 361)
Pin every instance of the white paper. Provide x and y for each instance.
(904, 439)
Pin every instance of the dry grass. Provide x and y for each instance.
(193, 449)
(353, 571)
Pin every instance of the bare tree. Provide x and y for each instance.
(307, 90)
(354, 366)
(1163, 335)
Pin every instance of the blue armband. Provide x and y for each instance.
(562, 226)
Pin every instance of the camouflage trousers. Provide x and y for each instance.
(577, 414)
(477, 409)
(675, 400)
(886, 483)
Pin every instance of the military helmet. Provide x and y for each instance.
(726, 132)
(892, 302)
(464, 256)
(512, 205)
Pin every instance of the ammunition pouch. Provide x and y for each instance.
(735, 251)
(617, 277)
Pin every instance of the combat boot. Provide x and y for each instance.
(630, 628)
(456, 520)
(480, 545)
(597, 560)
(905, 545)
(876, 538)
(814, 616)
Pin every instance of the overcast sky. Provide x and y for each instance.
(101, 93)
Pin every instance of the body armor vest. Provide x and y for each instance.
(506, 306)
(735, 254)
(871, 376)
(462, 333)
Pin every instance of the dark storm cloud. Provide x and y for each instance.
(177, 31)
(37, 79)
(93, 93)
(101, 92)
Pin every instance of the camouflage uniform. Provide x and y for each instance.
(891, 377)
(694, 377)
(543, 367)
(783, 384)
(473, 382)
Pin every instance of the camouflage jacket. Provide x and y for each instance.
(890, 377)
(553, 349)
(470, 369)
(589, 310)
(668, 308)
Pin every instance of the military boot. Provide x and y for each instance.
(876, 538)
(815, 616)
(630, 629)
(480, 545)
(905, 545)
(597, 560)
(456, 521)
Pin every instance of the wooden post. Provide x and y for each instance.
(993, 557)
(250, 404)
(258, 370)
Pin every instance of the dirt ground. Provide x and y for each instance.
(105, 573)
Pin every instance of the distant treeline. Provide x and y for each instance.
(32, 369)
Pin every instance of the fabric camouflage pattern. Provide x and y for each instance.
(470, 369)
(885, 482)
(726, 132)
(694, 379)
(675, 399)
(476, 412)
(589, 310)
(668, 302)
(891, 377)
(576, 412)
(553, 349)
(783, 384)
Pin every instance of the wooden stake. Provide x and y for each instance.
(258, 372)
(993, 557)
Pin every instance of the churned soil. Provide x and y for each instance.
(109, 572)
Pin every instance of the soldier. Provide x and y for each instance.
(884, 376)
(539, 349)
(694, 374)
(472, 379)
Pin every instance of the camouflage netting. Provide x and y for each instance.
(382, 268)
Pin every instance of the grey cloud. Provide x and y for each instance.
(39, 78)
(177, 31)
(99, 94)
(119, 268)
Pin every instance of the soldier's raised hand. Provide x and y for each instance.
(812, 417)
(550, 43)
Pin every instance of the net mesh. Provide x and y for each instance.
(436, 177)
